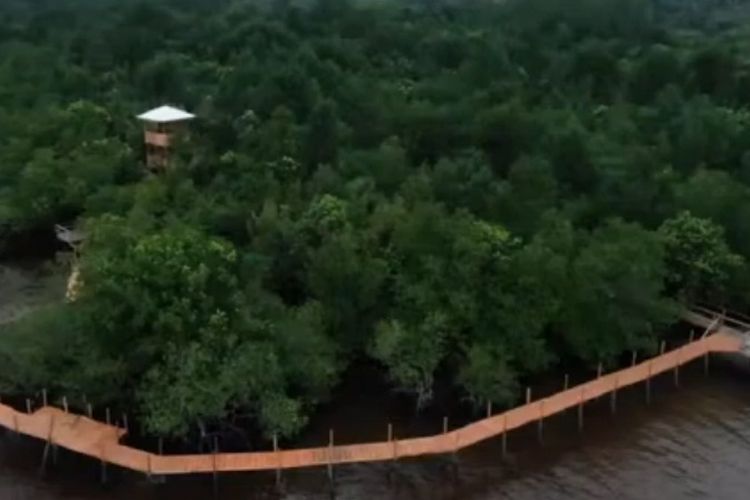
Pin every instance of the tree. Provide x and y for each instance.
(321, 141)
(504, 132)
(276, 138)
(596, 66)
(714, 195)
(707, 136)
(467, 181)
(699, 261)
(54, 165)
(463, 196)
(388, 165)
(412, 356)
(488, 376)
(189, 343)
(349, 284)
(170, 285)
(532, 190)
(571, 157)
(615, 300)
(458, 286)
(429, 130)
(659, 67)
(714, 71)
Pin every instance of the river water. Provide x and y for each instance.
(690, 442)
(25, 286)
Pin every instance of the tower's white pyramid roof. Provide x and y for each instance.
(166, 114)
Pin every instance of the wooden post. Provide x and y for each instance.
(706, 358)
(159, 478)
(108, 416)
(455, 447)
(599, 370)
(566, 386)
(580, 412)
(540, 423)
(278, 460)
(103, 466)
(330, 455)
(28, 406)
(454, 455)
(505, 435)
(528, 395)
(393, 440)
(663, 347)
(47, 445)
(489, 409)
(389, 465)
(54, 454)
(213, 463)
(634, 358)
(692, 335)
(613, 398)
(65, 404)
(89, 410)
(125, 422)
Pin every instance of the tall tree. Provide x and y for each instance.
(699, 261)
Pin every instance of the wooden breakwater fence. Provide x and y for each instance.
(101, 441)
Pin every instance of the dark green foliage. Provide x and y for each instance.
(699, 262)
(615, 296)
(468, 194)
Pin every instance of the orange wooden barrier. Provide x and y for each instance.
(101, 441)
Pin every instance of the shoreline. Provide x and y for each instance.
(102, 441)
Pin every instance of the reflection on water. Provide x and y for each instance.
(692, 442)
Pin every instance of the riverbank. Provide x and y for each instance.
(101, 440)
(406, 444)
(690, 442)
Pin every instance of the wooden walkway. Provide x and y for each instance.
(102, 441)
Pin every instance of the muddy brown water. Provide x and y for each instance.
(690, 442)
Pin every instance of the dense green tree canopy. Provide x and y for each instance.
(699, 261)
(465, 193)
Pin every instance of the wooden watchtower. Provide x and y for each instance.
(161, 126)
